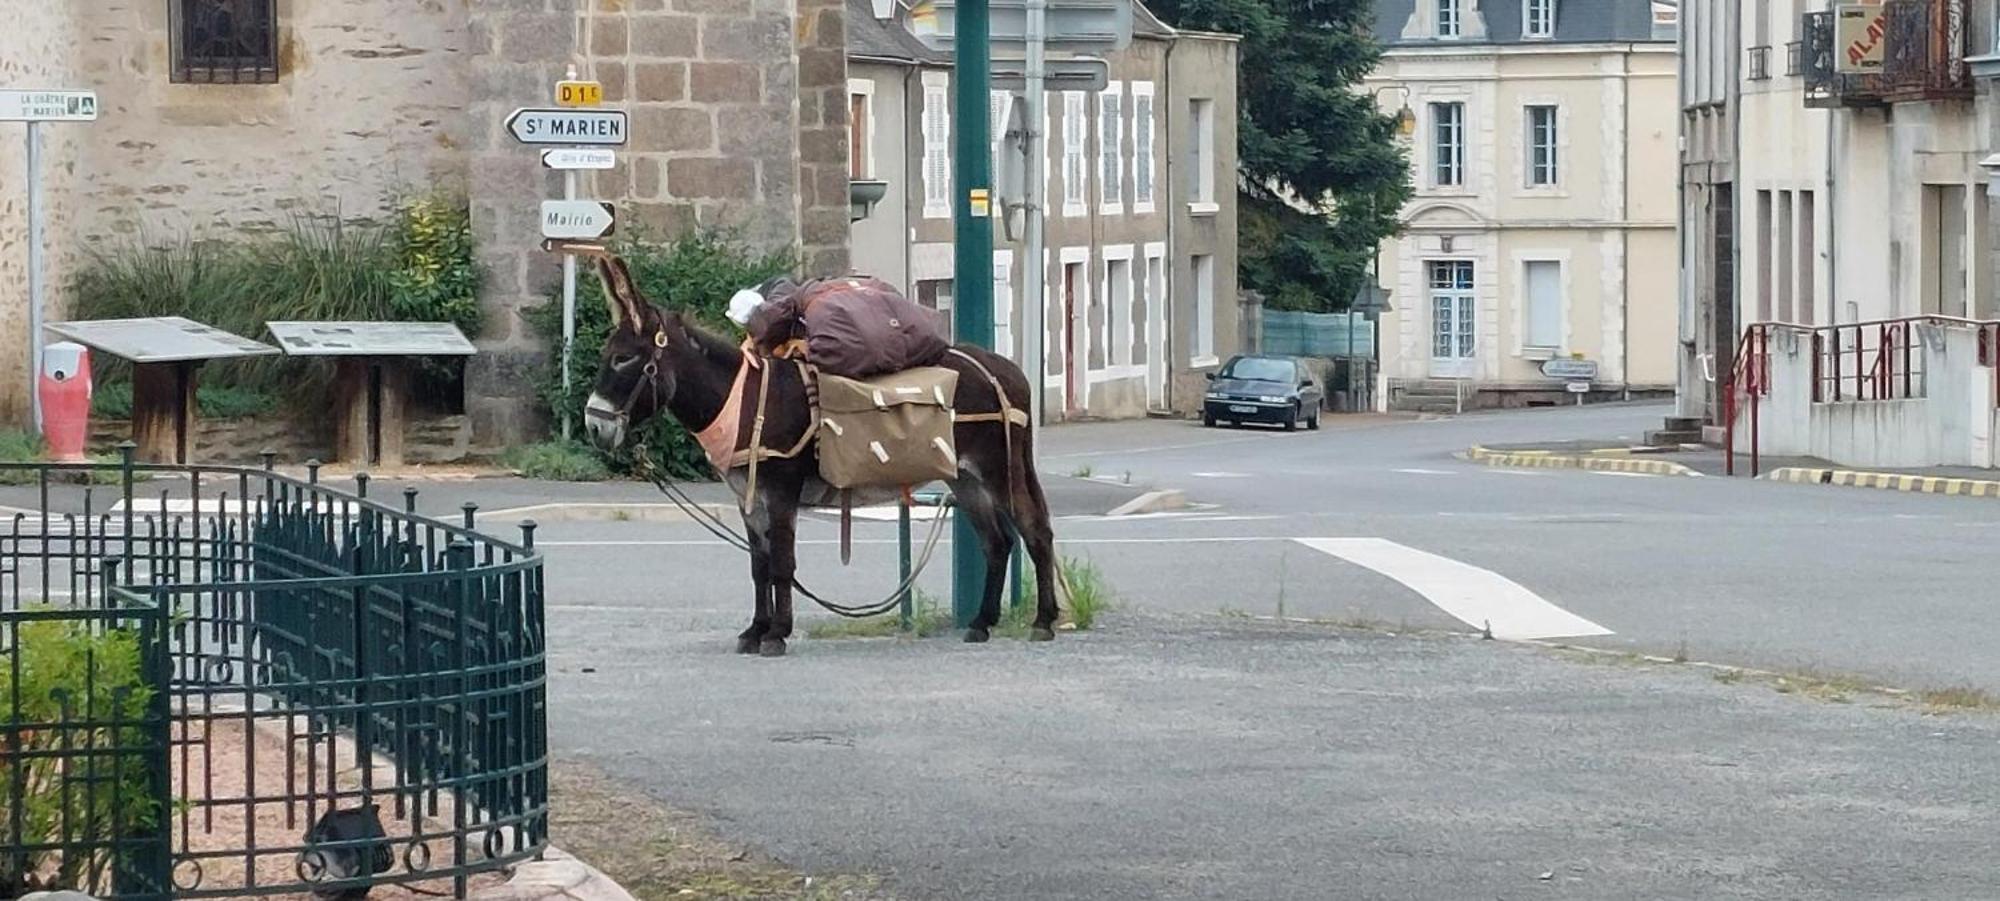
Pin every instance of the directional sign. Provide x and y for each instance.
(1562, 368)
(569, 219)
(1082, 74)
(579, 93)
(48, 106)
(568, 126)
(580, 158)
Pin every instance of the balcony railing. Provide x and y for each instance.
(1926, 49)
(1795, 57)
(1826, 88)
(1760, 63)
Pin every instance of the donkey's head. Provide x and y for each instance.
(636, 376)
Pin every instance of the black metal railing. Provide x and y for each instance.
(1760, 64)
(1825, 86)
(1925, 48)
(224, 41)
(286, 688)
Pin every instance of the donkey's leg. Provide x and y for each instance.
(783, 511)
(977, 502)
(1031, 519)
(756, 526)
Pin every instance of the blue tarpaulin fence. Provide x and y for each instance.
(1318, 334)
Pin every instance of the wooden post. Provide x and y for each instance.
(163, 411)
(371, 395)
(350, 409)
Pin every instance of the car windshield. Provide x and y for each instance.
(1259, 369)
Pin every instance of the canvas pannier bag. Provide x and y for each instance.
(858, 327)
(890, 431)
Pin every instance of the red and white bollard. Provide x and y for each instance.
(65, 394)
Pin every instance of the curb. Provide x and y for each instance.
(601, 512)
(556, 877)
(1886, 481)
(1593, 463)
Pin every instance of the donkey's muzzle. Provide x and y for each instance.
(604, 422)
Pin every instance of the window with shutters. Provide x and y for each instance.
(1543, 280)
(1073, 170)
(937, 146)
(224, 41)
(1142, 147)
(1111, 148)
(860, 128)
(1201, 156)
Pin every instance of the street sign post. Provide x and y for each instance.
(35, 108)
(567, 158)
(577, 219)
(574, 123)
(593, 127)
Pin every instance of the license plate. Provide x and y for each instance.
(1241, 408)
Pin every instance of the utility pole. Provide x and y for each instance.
(972, 210)
(1035, 330)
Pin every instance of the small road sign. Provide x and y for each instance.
(579, 93)
(579, 158)
(570, 219)
(568, 126)
(1568, 368)
(1578, 387)
(48, 106)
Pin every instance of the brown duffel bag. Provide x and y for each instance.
(858, 327)
(889, 431)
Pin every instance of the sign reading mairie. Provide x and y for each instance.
(568, 126)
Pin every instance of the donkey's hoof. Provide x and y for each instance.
(772, 647)
(1041, 633)
(746, 645)
(976, 635)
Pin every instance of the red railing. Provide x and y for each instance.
(1750, 375)
(1859, 361)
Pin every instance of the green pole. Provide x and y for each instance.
(972, 300)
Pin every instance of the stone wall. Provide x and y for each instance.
(37, 48)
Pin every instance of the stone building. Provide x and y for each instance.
(1140, 266)
(221, 116)
(1540, 228)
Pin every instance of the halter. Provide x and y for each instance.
(649, 379)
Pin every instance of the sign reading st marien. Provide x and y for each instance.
(568, 126)
(1859, 37)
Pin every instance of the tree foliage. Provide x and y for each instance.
(1308, 139)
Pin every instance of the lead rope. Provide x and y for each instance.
(715, 526)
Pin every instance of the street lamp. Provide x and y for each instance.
(1371, 299)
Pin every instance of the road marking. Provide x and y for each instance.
(1427, 472)
(1477, 597)
(1623, 475)
(829, 542)
(1533, 474)
(1220, 475)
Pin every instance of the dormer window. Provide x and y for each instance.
(1538, 18)
(1448, 18)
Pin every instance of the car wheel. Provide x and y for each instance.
(1313, 423)
(1292, 421)
(1207, 421)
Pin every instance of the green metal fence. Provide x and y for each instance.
(1340, 335)
(227, 682)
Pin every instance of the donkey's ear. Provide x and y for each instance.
(627, 306)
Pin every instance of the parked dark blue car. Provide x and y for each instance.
(1259, 388)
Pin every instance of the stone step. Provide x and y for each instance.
(1683, 424)
(1673, 437)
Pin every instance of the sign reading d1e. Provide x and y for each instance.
(1860, 37)
(568, 126)
(574, 219)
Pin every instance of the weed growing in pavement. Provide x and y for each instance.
(1081, 472)
(556, 461)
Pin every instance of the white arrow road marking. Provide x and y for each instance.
(1477, 597)
(1418, 471)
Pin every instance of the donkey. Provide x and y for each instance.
(659, 361)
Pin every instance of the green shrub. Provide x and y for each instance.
(694, 274)
(19, 447)
(67, 668)
(556, 461)
(114, 401)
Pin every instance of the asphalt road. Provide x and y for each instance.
(1178, 752)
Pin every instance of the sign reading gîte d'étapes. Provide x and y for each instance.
(1860, 37)
(48, 106)
(1570, 368)
(568, 158)
(597, 127)
(575, 219)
